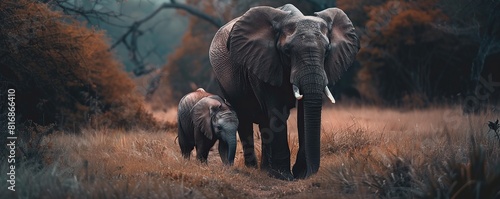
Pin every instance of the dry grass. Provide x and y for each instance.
(366, 152)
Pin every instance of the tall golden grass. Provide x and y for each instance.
(366, 152)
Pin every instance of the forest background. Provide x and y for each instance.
(414, 54)
(115, 64)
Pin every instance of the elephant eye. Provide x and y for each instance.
(219, 128)
(286, 49)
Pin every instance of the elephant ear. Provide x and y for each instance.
(343, 40)
(252, 43)
(203, 113)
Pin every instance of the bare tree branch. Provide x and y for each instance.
(90, 11)
(490, 43)
(487, 46)
(129, 38)
(69, 8)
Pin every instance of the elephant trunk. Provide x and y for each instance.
(312, 124)
(227, 149)
(231, 144)
(309, 81)
(309, 85)
(313, 87)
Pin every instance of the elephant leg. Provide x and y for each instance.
(275, 148)
(185, 144)
(202, 154)
(267, 136)
(203, 149)
(300, 166)
(245, 131)
(186, 150)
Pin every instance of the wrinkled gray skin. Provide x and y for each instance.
(204, 118)
(270, 59)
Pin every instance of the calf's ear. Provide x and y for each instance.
(203, 114)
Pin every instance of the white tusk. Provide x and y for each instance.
(329, 95)
(297, 93)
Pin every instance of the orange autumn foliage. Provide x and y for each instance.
(406, 59)
(63, 72)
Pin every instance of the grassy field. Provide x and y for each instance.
(366, 153)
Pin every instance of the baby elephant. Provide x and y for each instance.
(204, 118)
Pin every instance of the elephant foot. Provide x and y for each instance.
(282, 175)
(300, 174)
(252, 163)
(300, 171)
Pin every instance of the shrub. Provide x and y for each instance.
(63, 75)
(63, 72)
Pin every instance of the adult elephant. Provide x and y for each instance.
(267, 59)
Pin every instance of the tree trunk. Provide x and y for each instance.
(490, 44)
